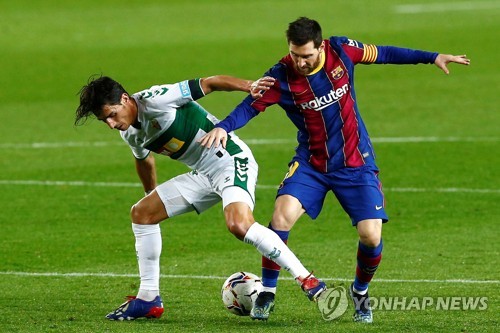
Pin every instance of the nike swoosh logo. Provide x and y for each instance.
(378, 207)
(301, 93)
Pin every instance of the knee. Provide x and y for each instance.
(238, 222)
(140, 215)
(287, 210)
(279, 222)
(237, 228)
(370, 232)
(370, 240)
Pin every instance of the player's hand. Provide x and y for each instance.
(443, 60)
(261, 85)
(214, 137)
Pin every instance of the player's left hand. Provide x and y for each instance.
(443, 60)
(261, 85)
(215, 137)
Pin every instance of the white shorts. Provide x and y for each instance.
(192, 191)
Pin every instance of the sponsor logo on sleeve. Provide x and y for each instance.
(185, 92)
(352, 42)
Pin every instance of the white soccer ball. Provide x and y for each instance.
(239, 292)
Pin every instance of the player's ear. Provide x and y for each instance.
(125, 98)
(321, 46)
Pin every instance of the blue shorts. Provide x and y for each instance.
(358, 190)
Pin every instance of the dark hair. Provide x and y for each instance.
(303, 30)
(95, 95)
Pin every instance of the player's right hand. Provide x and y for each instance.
(214, 137)
(261, 85)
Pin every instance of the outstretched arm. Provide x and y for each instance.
(398, 55)
(240, 115)
(443, 60)
(230, 83)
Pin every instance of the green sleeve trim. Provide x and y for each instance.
(195, 87)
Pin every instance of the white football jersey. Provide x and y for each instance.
(171, 123)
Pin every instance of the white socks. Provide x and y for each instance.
(363, 292)
(269, 289)
(148, 249)
(271, 246)
(148, 245)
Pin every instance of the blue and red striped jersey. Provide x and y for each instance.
(331, 134)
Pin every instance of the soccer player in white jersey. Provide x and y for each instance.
(165, 119)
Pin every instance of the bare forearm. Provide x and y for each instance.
(225, 83)
(146, 170)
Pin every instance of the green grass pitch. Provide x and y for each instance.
(66, 245)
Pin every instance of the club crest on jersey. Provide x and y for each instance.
(155, 124)
(337, 73)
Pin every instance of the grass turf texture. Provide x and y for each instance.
(49, 50)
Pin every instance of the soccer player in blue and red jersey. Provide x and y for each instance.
(314, 84)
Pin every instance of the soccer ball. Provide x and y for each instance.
(239, 292)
